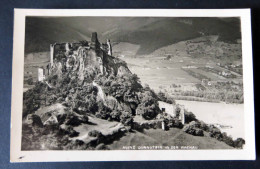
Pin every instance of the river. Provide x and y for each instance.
(219, 113)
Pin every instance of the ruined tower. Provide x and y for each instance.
(51, 53)
(109, 47)
(94, 41)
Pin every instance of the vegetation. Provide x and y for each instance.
(189, 117)
(228, 97)
(235, 68)
(196, 75)
(196, 128)
(29, 81)
(190, 129)
(82, 98)
(149, 107)
(226, 74)
(165, 98)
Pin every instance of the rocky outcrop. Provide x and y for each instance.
(88, 57)
(34, 120)
(111, 102)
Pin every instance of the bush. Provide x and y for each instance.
(227, 139)
(174, 123)
(148, 108)
(165, 98)
(239, 143)
(103, 111)
(34, 98)
(126, 118)
(95, 133)
(203, 126)
(75, 120)
(189, 117)
(69, 131)
(72, 120)
(215, 133)
(115, 115)
(30, 81)
(191, 129)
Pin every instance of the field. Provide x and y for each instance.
(184, 67)
(154, 70)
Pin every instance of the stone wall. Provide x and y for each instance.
(167, 108)
(171, 110)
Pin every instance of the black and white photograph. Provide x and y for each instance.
(133, 83)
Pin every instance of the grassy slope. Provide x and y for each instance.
(173, 137)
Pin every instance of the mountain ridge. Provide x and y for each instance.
(150, 33)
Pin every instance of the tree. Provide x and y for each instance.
(126, 118)
(30, 81)
(148, 108)
(115, 115)
(189, 117)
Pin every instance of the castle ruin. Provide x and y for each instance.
(173, 110)
(77, 56)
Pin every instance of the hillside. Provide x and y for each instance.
(208, 47)
(89, 98)
(175, 138)
(150, 33)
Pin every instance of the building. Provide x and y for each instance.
(205, 82)
(41, 74)
(173, 110)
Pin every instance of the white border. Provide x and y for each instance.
(248, 152)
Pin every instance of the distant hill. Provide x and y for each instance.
(207, 47)
(150, 33)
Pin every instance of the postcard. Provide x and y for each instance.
(132, 85)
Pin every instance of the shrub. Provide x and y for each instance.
(75, 120)
(69, 131)
(174, 123)
(30, 81)
(148, 108)
(227, 139)
(115, 115)
(203, 126)
(239, 142)
(165, 98)
(103, 111)
(191, 129)
(126, 118)
(72, 120)
(189, 116)
(215, 133)
(95, 133)
(34, 98)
